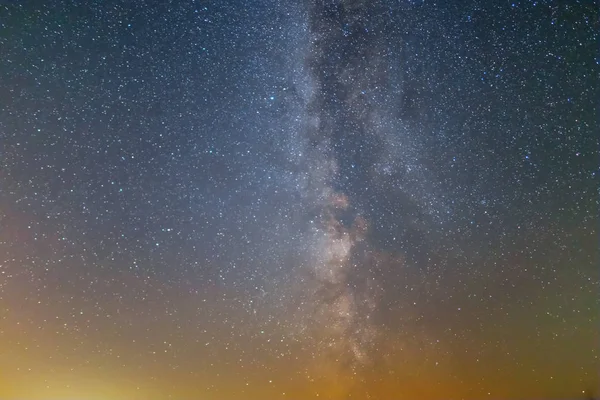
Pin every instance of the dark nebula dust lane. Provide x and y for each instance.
(315, 200)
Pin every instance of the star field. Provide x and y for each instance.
(338, 199)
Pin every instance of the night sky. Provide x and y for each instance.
(329, 199)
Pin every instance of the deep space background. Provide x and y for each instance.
(328, 199)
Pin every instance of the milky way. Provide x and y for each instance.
(304, 200)
(345, 71)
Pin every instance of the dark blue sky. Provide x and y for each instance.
(333, 198)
